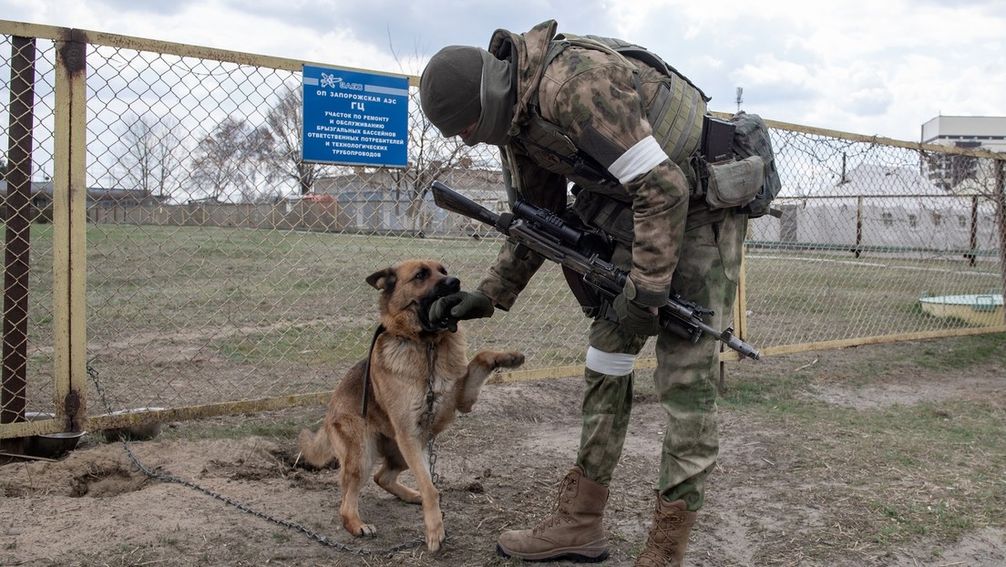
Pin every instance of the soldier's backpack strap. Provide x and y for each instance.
(676, 113)
(640, 53)
(562, 41)
(547, 138)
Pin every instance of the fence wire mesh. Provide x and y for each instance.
(221, 267)
(874, 240)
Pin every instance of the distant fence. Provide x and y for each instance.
(951, 225)
(235, 293)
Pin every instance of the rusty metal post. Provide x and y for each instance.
(859, 227)
(16, 258)
(999, 193)
(973, 242)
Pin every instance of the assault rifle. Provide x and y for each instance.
(549, 235)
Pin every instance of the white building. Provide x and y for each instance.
(986, 132)
(880, 208)
(973, 132)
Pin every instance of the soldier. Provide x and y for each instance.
(626, 132)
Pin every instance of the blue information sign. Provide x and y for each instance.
(355, 118)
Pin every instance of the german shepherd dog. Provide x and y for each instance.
(409, 358)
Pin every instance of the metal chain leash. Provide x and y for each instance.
(428, 418)
(428, 415)
(165, 477)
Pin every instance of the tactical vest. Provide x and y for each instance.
(675, 116)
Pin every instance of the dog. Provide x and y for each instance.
(409, 357)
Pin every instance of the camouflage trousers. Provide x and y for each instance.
(706, 274)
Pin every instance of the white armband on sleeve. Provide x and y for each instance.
(643, 156)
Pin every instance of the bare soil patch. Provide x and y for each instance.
(771, 501)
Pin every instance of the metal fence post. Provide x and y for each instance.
(973, 237)
(859, 226)
(1000, 196)
(69, 230)
(17, 251)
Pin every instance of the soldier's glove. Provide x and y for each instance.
(635, 317)
(448, 310)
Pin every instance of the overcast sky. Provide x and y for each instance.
(873, 67)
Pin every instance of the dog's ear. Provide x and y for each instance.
(382, 279)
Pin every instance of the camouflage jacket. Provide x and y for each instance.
(593, 97)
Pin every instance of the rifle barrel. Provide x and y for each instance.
(449, 199)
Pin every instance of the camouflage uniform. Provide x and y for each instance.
(599, 101)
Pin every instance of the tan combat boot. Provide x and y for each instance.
(573, 529)
(665, 547)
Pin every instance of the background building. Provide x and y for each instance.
(950, 171)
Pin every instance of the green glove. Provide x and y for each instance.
(448, 310)
(634, 311)
(635, 318)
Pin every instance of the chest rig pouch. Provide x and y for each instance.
(735, 165)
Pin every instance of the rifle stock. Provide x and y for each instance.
(547, 234)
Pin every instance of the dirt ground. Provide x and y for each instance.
(499, 466)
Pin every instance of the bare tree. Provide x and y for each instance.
(430, 157)
(284, 157)
(149, 156)
(223, 164)
(950, 170)
(430, 154)
(984, 180)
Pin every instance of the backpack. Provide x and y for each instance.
(675, 115)
(751, 138)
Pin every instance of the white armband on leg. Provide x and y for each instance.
(610, 363)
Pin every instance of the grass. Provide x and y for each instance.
(304, 345)
(261, 301)
(931, 469)
(814, 297)
(276, 425)
(981, 349)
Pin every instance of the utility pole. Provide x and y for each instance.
(740, 97)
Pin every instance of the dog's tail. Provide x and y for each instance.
(316, 448)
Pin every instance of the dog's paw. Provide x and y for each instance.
(507, 360)
(366, 530)
(435, 536)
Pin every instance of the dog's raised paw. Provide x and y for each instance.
(508, 360)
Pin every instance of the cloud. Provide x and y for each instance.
(881, 67)
(795, 80)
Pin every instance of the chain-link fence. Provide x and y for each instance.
(225, 274)
(875, 239)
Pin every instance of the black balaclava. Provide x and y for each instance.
(462, 86)
(449, 89)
